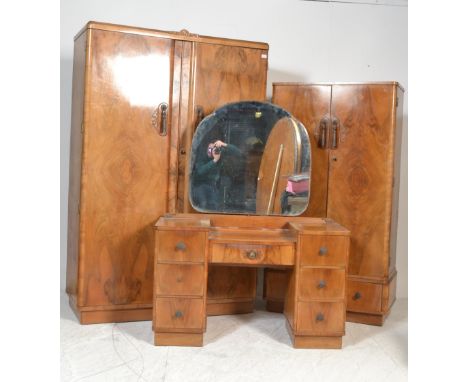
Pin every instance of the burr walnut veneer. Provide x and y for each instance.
(138, 94)
(355, 133)
(313, 252)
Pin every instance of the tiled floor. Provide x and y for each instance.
(250, 347)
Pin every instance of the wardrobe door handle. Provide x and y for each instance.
(323, 133)
(159, 118)
(335, 133)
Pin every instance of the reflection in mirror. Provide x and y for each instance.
(250, 158)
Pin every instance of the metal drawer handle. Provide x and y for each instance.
(252, 255)
(181, 246)
(320, 317)
(357, 296)
(323, 251)
(178, 314)
(322, 284)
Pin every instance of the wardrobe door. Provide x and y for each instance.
(310, 104)
(361, 172)
(125, 166)
(224, 74)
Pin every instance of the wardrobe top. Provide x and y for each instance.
(394, 83)
(183, 35)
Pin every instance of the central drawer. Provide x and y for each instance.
(252, 254)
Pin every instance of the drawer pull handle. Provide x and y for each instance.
(181, 246)
(357, 296)
(323, 251)
(252, 255)
(322, 284)
(178, 314)
(320, 317)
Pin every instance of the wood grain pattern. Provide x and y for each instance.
(178, 339)
(361, 174)
(78, 96)
(179, 314)
(310, 313)
(364, 297)
(223, 74)
(180, 280)
(181, 246)
(122, 172)
(271, 289)
(279, 255)
(332, 313)
(322, 283)
(310, 105)
(182, 35)
(231, 283)
(324, 250)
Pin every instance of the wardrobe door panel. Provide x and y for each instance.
(125, 165)
(361, 170)
(310, 104)
(224, 74)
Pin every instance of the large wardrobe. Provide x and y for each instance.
(355, 133)
(138, 95)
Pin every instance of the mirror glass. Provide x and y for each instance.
(250, 158)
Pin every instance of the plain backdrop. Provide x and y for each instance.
(310, 41)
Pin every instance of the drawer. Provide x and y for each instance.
(364, 297)
(321, 283)
(235, 253)
(180, 246)
(179, 313)
(324, 250)
(180, 279)
(320, 318)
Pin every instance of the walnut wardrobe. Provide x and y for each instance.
(355, 133)
(138, 94)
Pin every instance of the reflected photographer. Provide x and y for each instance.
(211, 171)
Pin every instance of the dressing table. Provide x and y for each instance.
(250, 228)
(313, 250)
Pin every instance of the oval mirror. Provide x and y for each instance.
(250, 158)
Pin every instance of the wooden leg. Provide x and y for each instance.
(178, 339)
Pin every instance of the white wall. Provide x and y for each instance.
(309, 41)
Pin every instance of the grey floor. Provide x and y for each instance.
(249, 347)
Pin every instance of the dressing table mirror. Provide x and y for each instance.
(250, 158)
(249, 182)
